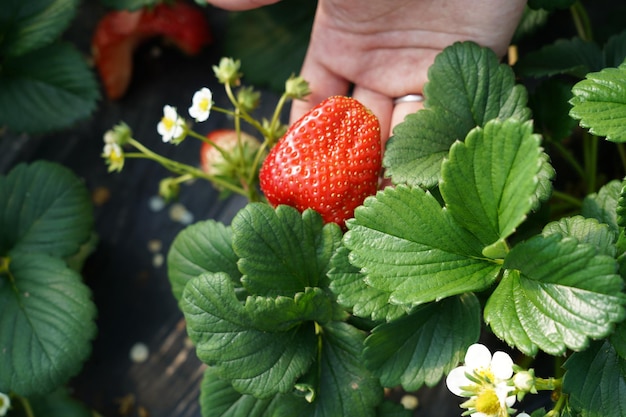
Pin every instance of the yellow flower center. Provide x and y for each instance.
(488, 402)
(167, 123)
(204, 104)
(486, 374)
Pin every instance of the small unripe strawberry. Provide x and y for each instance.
(329, 160)
(229, 160)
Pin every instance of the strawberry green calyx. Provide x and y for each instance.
(297, 88)
(227, 71)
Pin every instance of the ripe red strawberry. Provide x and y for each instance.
(119, 32)
(329, 160)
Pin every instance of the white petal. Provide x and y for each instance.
(477, 356)
(502, 365)
(457, 379)
(169, 112)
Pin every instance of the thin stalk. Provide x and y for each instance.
(622, 154)
(28, 409)
(581, 21)
(567, 198)
(590, 145)
(180, 168)
(569, 158)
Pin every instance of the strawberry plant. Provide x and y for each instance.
(298, 312)
(47, 317)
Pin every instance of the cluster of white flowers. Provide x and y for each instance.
(172, 126)
(5, 404)
(488, 381)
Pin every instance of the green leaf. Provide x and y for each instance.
(130, 4)
(407, 245)
(392, 409)
(44, 208)
(550, 104)
(585, 231)
(346, 387)
(46, 324)
(489, 181)
(556, 293)
(218, 398)
(594, 380)
(254, 361)
(201, 248)
(353, 293)
(271, 41)
(618, 340)
(615, 50)
(29, 25)
(425, 345)
(59, 403)
(550, 4)
(38, 98)
(281, 251)
(467, 87)
(572, 57)
(283, 313)
(531, 21)
(599, 103)
(603, 205)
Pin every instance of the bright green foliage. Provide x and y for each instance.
(353, 293)
(286, 334)
(46, 312)
(595, 381)
(201, 248)
(282, 252)
(556, 293)
(295, 318)
(423, 346)
(489, 181)
(467, 87)
(600, 103)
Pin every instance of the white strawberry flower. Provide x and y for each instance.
(5, 404)
(113, 152)
(485, 380)
(172, 126)
(201, 104)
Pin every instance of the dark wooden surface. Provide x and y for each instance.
(131, 291)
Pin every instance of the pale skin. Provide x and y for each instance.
(383, 48)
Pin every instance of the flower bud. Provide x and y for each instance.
(227, 72)
(248, 99)
(524, 381)
(297, 87)
(169, 189)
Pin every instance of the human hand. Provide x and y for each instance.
(383, 49)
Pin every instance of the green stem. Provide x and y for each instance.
(276, 119)
(567, 198)
(569, 158)
(28, 410)
(590, 145)
(581, 21)
(622, 154)
(181, 169)
(548, 384)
